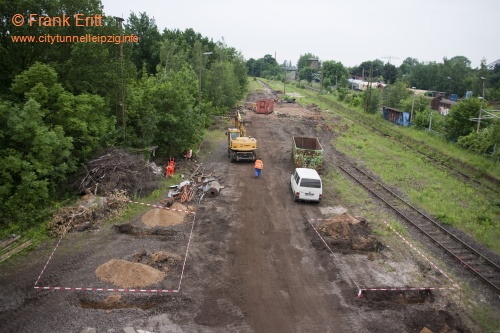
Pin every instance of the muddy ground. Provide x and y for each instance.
(256, 262)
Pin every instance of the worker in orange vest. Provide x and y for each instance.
(258, 167)
(170, 168)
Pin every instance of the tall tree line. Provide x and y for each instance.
(62, 103)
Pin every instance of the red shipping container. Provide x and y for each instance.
(264, 106)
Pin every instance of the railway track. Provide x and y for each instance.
(468, 257)
(413, 146)
(442, 159)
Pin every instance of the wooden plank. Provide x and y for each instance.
(15, 250)
(9, 241)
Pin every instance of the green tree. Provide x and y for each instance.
(305, 61)
(395, 94)
(389, 73)
(487, 141)
(84, 117)
(147, 51)
(458, 122)
(372, 100)
(34, 159)
(306, 73)
(332, 73)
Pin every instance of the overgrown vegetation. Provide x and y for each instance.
(63, 103)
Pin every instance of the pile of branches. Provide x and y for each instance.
(119, 169)
(87, 213)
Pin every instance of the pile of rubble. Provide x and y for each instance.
(122, 170)
(87, 213)
(194, 189)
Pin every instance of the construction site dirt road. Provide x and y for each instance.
(255, 261)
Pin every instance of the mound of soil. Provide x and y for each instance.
(346, 232)
(127, 274)
(162, 217)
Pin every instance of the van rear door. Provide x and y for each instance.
(310, 189)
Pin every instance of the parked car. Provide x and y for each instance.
(306, 185)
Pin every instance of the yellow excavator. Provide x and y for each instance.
(240, 146)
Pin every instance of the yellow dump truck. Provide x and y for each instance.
(240, 146)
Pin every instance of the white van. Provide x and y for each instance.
(306, 185)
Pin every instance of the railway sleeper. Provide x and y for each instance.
(492, 276)
(468, 257)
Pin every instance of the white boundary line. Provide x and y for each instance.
(360, 290)
(119, 289)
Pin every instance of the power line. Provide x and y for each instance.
(390, 57)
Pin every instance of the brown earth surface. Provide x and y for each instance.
(256, 260)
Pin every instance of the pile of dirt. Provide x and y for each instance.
(348, 233)
(119, 169)
(162, 217)
(87, 213)
(126, 274)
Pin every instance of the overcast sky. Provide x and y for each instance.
(348, 31)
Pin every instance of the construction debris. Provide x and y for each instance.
(213, 188)
(87, 213)
(12, 245)
(122, 170)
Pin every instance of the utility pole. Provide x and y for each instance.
(199, 81)
(412, 104)
(284, 80)
(368, 93)
(481, 108)
(390, 57)
(321, 82)
(430, 122)
(122, 81)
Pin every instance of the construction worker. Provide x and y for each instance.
(170, 168)
(258, 167)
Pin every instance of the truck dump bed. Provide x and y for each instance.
(307, 153)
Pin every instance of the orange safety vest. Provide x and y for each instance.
(259, 164)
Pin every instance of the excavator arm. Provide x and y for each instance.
(238, 123)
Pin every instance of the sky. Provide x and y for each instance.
(347, 31)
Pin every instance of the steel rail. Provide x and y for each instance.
(480, 259)
(388, 133)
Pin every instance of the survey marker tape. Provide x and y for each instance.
(360, 291)
(109, 289)
(132, 290)
(160, 207)
(423, 256)
(326, 244)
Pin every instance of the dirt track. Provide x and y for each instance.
(255, 264)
